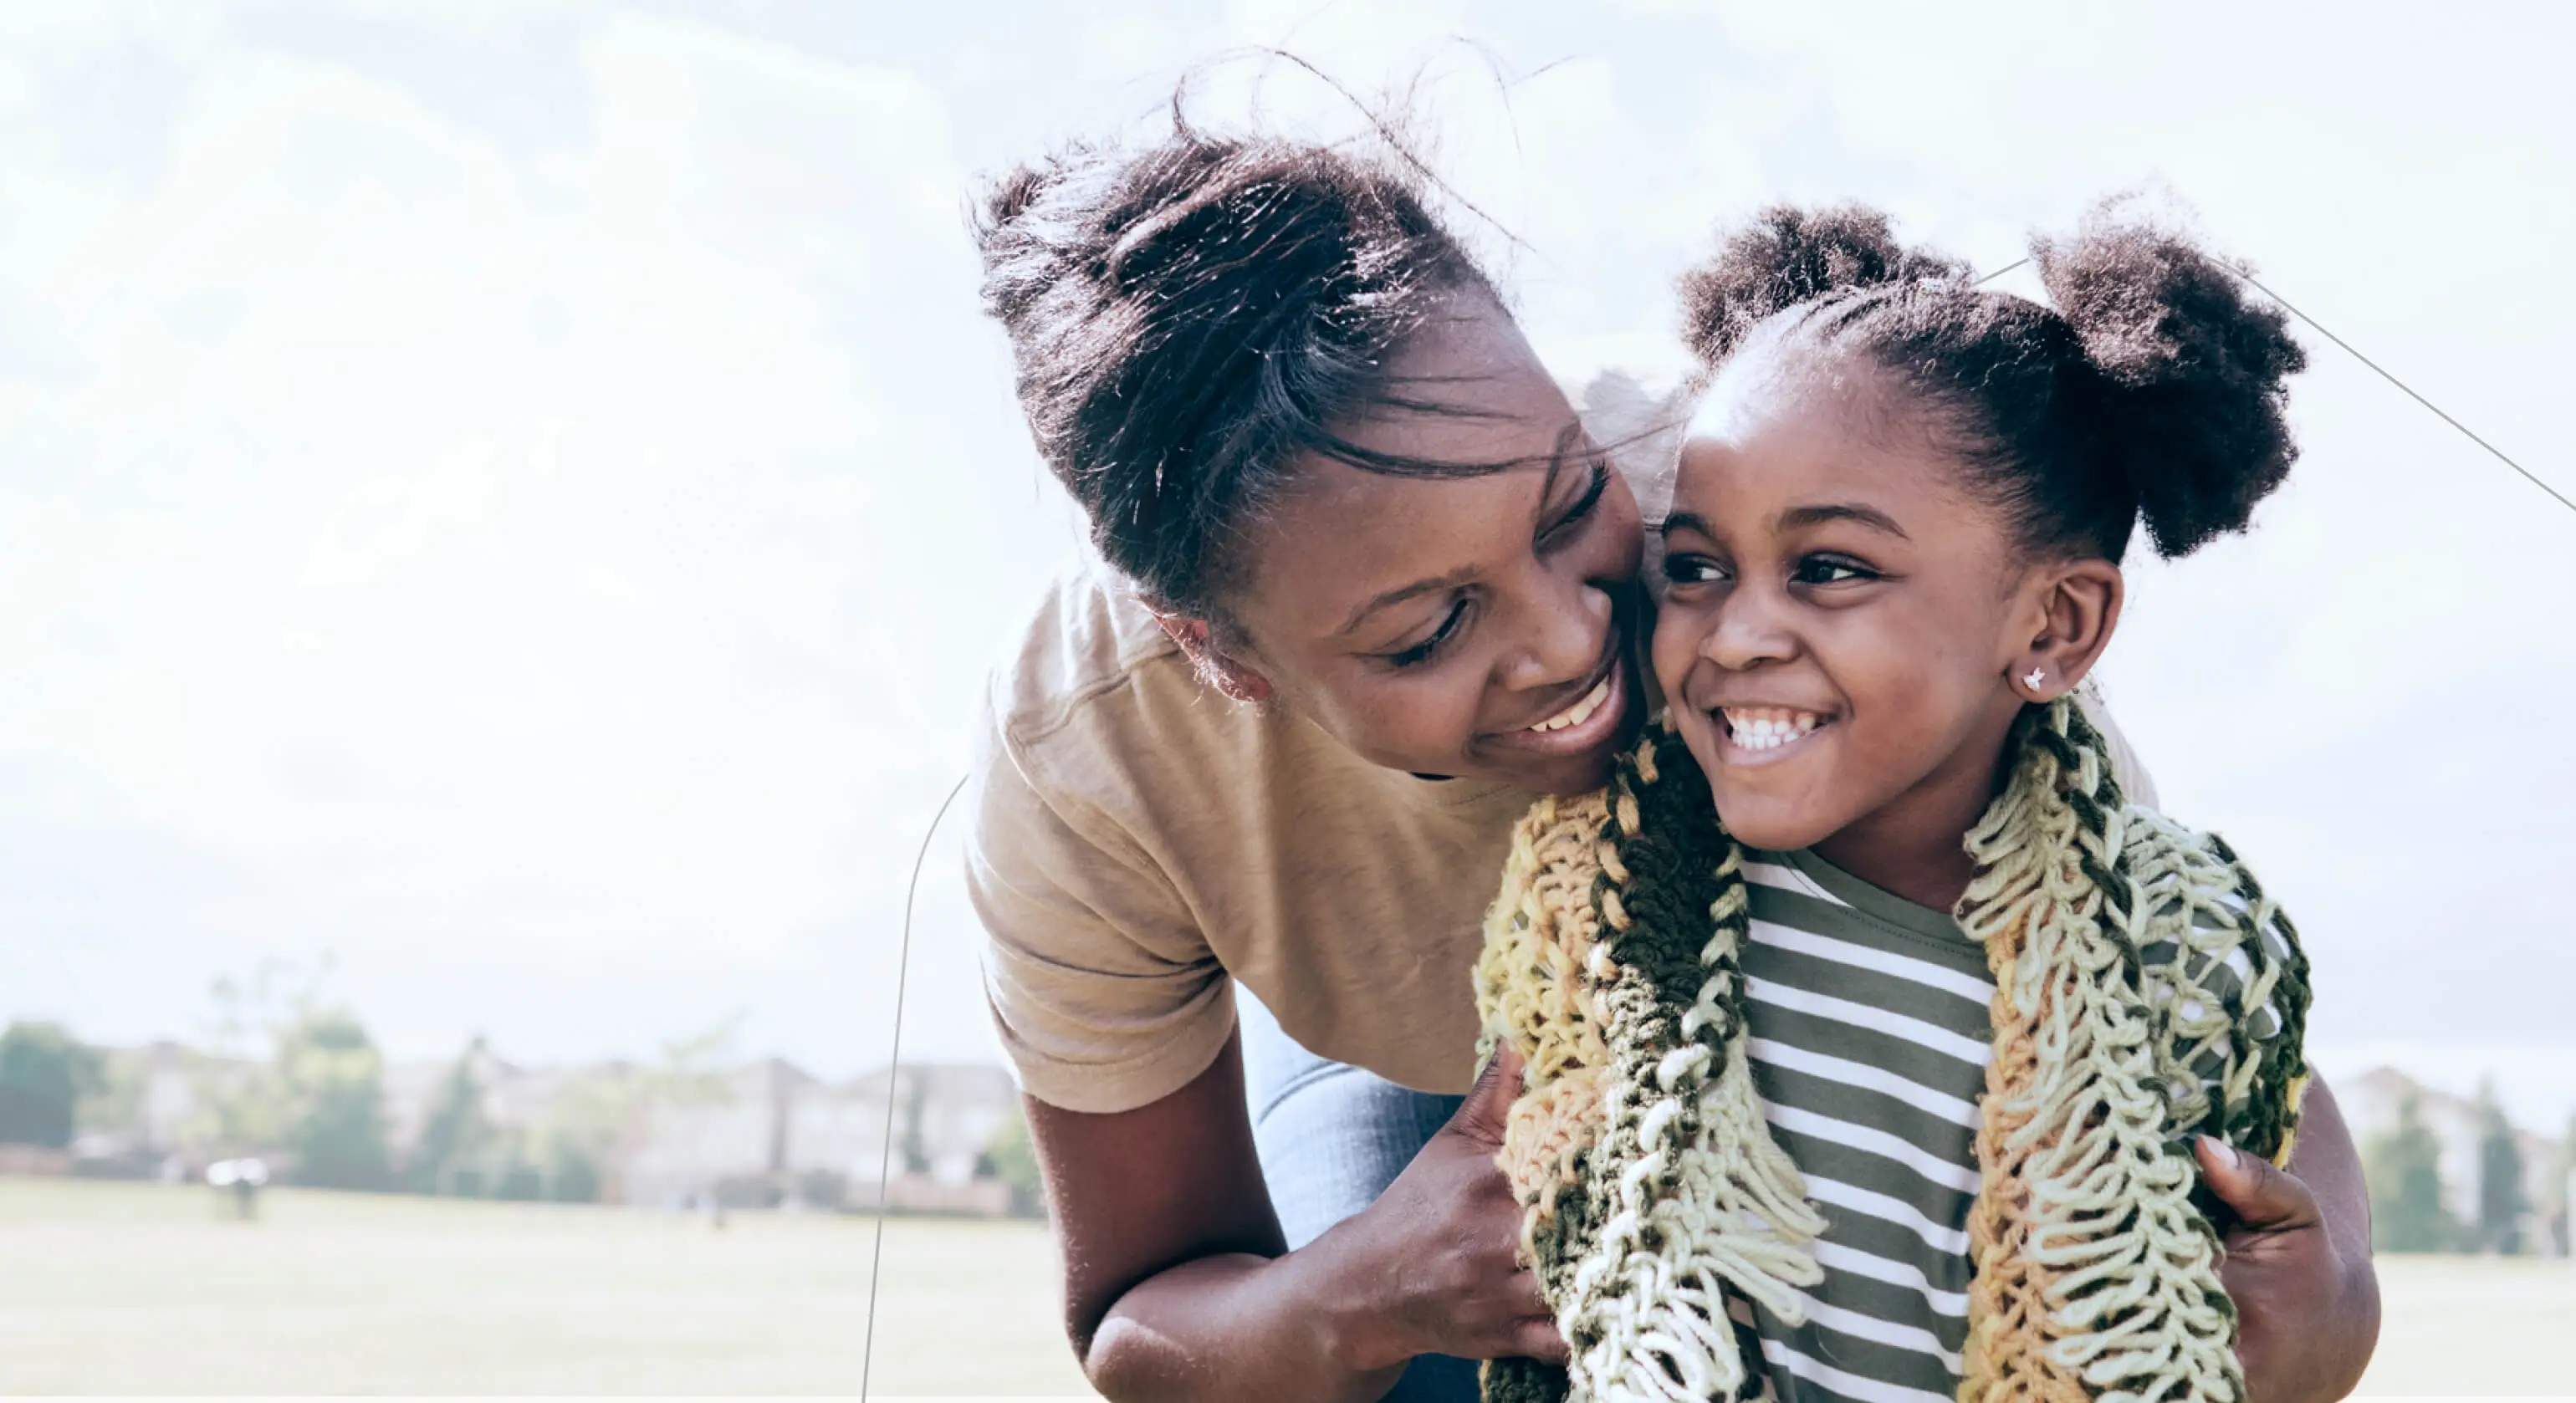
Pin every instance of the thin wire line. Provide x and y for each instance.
(894, 1069)
(2383, 374)
(2375, 367)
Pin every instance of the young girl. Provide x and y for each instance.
(1887, 1087)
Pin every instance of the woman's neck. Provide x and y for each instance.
(1915, 845)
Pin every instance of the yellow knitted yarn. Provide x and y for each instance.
(1653, 1188)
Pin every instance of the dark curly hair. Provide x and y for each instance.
(1190, 317)
(2155, 390)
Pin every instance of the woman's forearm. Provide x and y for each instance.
(1245, 1329)
(1178, 1287)
(1178, 1282)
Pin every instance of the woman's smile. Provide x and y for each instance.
(1596, 719)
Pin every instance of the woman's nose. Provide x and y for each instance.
(1568, 632)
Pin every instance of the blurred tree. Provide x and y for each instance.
(2501, 1200)
(583, 1128)
(2403, 1165)
(2562, 1185)
(44, 1072)
(1014, 1161)
(241, 1107)
(457, 1129)
(912, 1147)
(115, 1105)
(333, 1079)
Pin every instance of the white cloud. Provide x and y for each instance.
(541, 538)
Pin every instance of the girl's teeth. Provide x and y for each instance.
(1768, 727)
(1580, 712)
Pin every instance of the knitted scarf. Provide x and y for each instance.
(1653, 1189)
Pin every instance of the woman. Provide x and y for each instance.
(1369, 584)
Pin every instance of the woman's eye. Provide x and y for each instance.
(1830, 570)
(1424, 651)
(1583, 506)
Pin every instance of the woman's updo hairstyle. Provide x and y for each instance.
(2154, 390)
(1189, 317)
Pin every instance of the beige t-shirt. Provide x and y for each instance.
(1140, 840)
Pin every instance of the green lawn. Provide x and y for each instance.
(114, 1288)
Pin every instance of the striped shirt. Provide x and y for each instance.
(1869, 1031)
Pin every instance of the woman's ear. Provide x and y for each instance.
(1218, 668)
(2074, 607)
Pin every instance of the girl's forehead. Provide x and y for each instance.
(1792, 435)
(1784, 374)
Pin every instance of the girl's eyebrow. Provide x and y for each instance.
(1685, 521)
(1820, 513)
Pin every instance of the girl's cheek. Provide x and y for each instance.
(1675, 650)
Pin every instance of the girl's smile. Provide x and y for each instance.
(1752, 734)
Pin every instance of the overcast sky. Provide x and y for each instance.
(519, 498)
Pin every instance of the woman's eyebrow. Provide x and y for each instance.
(1402, 593)
(1820, 513)
(1566, 439)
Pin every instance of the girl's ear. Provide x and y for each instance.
(1220, 669)
(2075, 606)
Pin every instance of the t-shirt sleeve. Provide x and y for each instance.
(1103, 989)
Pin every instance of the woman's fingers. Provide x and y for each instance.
(1522, 1296)
(1537, 1338)
(1488, 1106)
(2264, 1199)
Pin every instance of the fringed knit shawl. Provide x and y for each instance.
(1653, 1188)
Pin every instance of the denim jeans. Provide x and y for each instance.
(1332, 1137)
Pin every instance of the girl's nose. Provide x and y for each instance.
(1747, 632)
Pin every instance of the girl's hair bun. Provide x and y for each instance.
(1786, 256)
(2195, 374)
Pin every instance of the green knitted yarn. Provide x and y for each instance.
(1655, 1190)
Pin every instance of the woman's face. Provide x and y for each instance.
(1466, 626)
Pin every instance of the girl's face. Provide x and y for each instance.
(1843, 625)
(1472, 626)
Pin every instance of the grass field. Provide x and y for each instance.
(113, 1288)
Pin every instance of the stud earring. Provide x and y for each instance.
(2037, 676)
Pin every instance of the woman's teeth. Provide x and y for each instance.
(1580, 712)
(1768, 727)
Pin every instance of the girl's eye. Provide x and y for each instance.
(1582, 508)
(1428, 648)
(1830, 570)
(1692, 570)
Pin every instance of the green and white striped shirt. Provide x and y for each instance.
(1869, 1034)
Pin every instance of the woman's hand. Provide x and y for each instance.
(2298, 1261)
(1434, 1265)
(1179, 1287)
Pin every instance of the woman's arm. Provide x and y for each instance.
(2298, 1260)
(1178, 1284)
